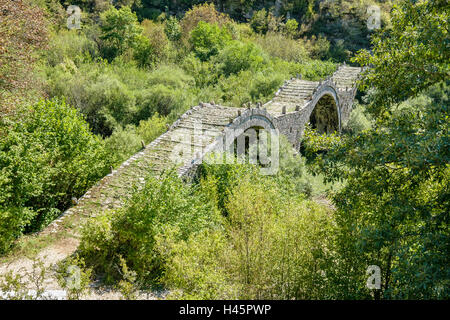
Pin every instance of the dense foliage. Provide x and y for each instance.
(23, 32)
(126, 78)
(135, 66)
(156, 230)
(394, 211)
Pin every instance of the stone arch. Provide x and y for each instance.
(325, 113)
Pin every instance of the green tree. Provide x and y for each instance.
(259, 21)
(207, 39)
(163, 203)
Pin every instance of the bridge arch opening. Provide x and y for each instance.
(325, 117)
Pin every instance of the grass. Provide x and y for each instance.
(30, 245)
(322, 189)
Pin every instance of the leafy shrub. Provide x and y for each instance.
(160, 99)
(204, 72)
(115, 95)
(14, 221)
(265, 84)
(111, 104)
(203, 12)
(259, 21)
(189, 279)
(122, 144)
(316, 69)
(68, 44)
(159, 41)
(105, 94)
(271, 247)
(17, 286)
(318, 47)
(171, 76)
(263, 21)
(47, 157)
(74, 277)
(152, 128)
(358, 120)
(172, 29)
(238, 56)
(131, 232)
(207, 39)
(292, 176)
(291, 28)
(233, 89)
(277, 45)
(120, 30)
(143, 52)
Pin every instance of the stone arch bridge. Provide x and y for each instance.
(207, 127)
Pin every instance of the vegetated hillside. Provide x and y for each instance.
(121, 80)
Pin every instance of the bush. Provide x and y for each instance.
(318, 47)
(189, 279)
(238, 56)
(265, 84)
(160, 99)
(105, 93)
(119, 31)
(292, 176)
(47, 157)
(172, 29)
(68, 44)
(206, 13)
(122, 144)
(143, 52)
(118, 94)
(207, 39)
(234, 89)
(111, 104)
(291, 28)
(281, 47)
(171, 76)
(159, 41)
(204, 72)
(358, 120)
(259, 21)
(263, 21)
